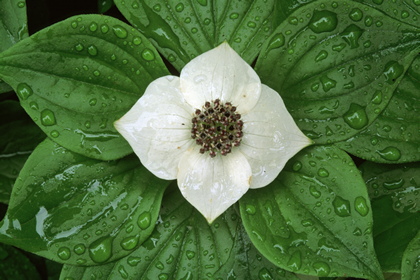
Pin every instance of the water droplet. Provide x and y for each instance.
(179, 7)
(351, 35)
(64, 253)
(276, 41)
(348, 85)
(377, 97)
(24, 91)
(157, 8)
(264, 274)
(252, 24)
(293, 20)
(314, 192)
(133, 261)
(339, 47)
(361, 206)
(120, 31)
(295, 261)
(194, 30)
(33, 105)
(137, 41)
(234, 15)
(250, 209)
(21, 4)
(392, 185)
(307, 223)
(357, 232)
(322, 172)
(171, 58)
(129, 243)
(148, 55)
(368, 21)
(190, 254)
(356, 14)
(393, 70)
(327, 83)
(144, 220)
(321, 56)
(323, 21)
(202, 2)
(122, 272)
(93, 102)
(322, 269)
(74, 25)
(93, 27)
(356, 116)
(101, 250)
(104, 28)
(54, 134)
(79, 249)
(390, 153)
(341, 206)
(47, 117)
(297, 166)
(79, 47)
(163, 276)
(92, 50)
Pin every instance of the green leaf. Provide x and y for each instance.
(393, 136)
(184, 246)
(395, 192)
(410, 267)
(104, 5)
(15, 265)
(75, 78)
(315, 218)
(77, 210)
(182, 30)
(13, 28)
(19, 137)
(332, 61)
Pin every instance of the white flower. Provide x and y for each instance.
(216, 129)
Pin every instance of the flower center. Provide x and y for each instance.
(217, 128)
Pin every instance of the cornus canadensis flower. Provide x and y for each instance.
(216, 129)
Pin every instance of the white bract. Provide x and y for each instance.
(216, 129)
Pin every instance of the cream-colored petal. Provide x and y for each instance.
(158, 127)
(220, 74)
(212, 185)
(271, 138)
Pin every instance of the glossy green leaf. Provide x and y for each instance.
(19, 137)
(104, 5)
(410, 267)
(395, 194)
(15, 265)
(182, 30)
(75, 78)
(332, 61)
(13, 28)
(394, 136)
(77, 210)
(184, 246)
(315, 218)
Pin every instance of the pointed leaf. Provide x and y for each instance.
(15, 265)
(184, 246)
(395, 194)
(394, 136)
(182, 30)
(19, 137)
(410, 268)
(13, 28)
(77, 210)
(331, 62)
(315, 218)
(75, 78)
